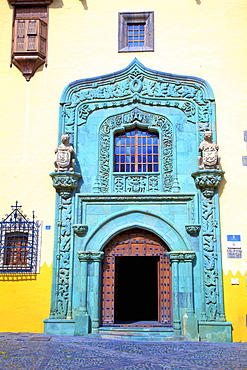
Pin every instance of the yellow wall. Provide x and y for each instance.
(235, 304)
(25, 301)
(203, 38)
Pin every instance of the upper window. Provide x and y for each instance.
(136, 151)
(19, 239)
(136, 32)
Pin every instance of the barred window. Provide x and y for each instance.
(136, 151)
(19, 238)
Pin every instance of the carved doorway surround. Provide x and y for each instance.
(136, 243)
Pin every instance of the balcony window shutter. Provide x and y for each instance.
(20, 35)
(42, 37)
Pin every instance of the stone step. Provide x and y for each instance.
(139, 333)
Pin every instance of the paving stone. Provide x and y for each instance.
(22, 351)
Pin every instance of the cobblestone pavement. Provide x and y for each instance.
(40, 352)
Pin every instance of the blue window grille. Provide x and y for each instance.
(19, 240)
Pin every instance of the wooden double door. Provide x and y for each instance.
(136, 282)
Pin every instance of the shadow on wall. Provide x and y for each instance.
(59, 4)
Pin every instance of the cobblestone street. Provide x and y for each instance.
(41, 352)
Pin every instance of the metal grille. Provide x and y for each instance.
(18, 243)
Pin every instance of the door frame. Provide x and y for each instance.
(140, 243)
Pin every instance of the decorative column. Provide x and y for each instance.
(207, 181)
(81, 316)
(174, 258)
(86, 257)
(65, 184)
(185, 270)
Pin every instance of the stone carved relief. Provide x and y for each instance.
(64, 183)
(136, 184)
(207, 181)
(150, 121)
(90, 256)
(63, 260)
(79, 229)
(138, 84)
(209, 158)
(193, 230)
(182, 256)
(208, 230)
(64, 155)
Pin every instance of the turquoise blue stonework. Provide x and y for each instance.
(179, 204)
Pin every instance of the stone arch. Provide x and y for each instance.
(122, 221)
(136, 280)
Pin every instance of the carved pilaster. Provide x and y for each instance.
(207, 181)
(184, 258)
(65, 183)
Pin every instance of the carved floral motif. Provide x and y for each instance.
(136, 184)
(138, 84)
(63, 260)
(207, 181)
(65, 183)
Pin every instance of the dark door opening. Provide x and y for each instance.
(136, 289)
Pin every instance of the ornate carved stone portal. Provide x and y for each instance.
(177, 204)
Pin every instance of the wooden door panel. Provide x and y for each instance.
(136, 242)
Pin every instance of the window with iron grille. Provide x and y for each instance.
(136, 32)
(136, 151)
(19, 241)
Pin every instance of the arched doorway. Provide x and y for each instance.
(136, 283)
